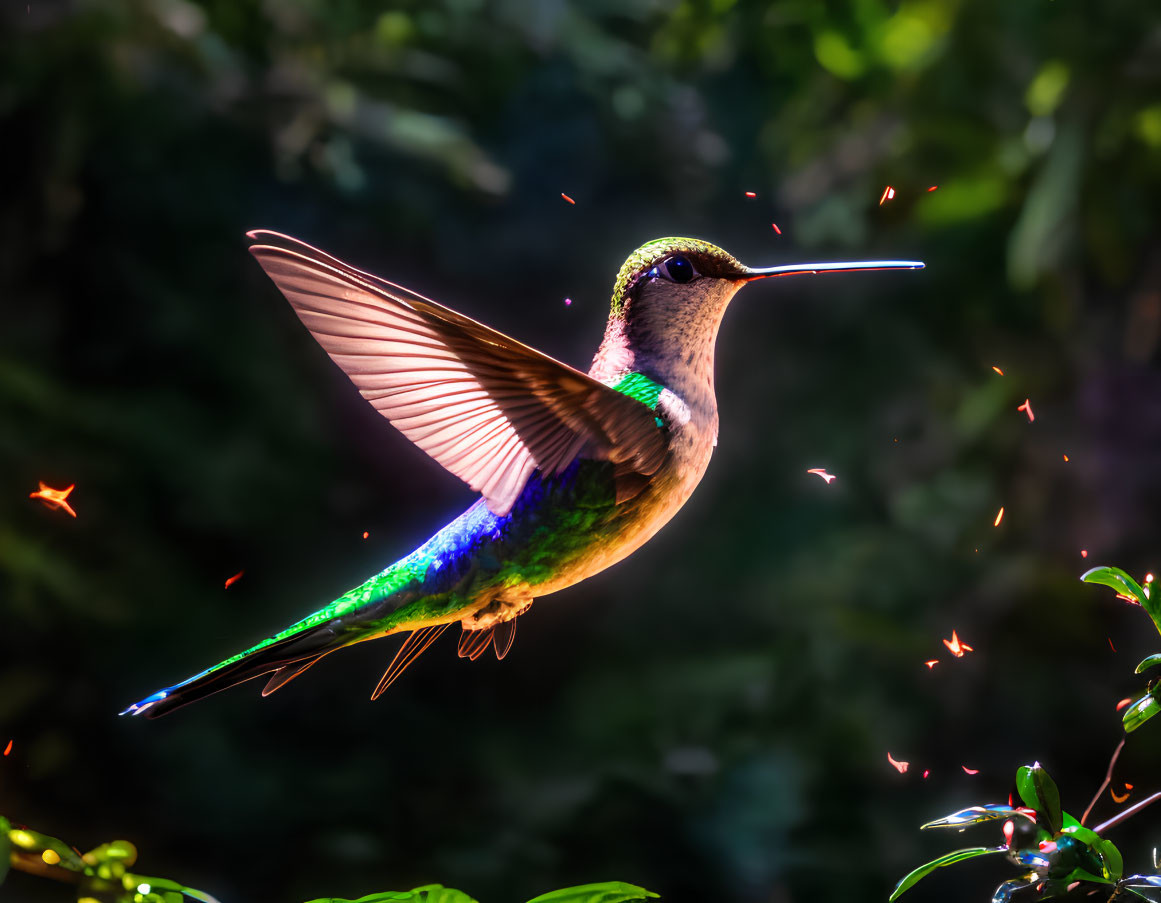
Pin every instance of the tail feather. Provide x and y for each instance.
(295, 652)
(287, 673)
(413, 647)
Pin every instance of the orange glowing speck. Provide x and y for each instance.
(956, 646)
(1026, 407)
(1084, 553)
(8, 748)
(1117, 799)
(365, 534)
(999, 517)
(230, 581)
(931, 664)
(829, 477)
(751, 194)
(567, 198)
(932, 188)
(1111, 646)
(888, 193)
(1124, 702)
(900, 767)
(967, 770)
(54, 498)
(1066, 459)
(1128, 786)
(997, 369)
(926, 772)
(776, 229)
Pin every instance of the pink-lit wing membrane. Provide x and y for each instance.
(486, 407)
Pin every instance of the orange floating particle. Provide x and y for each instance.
(956, 646)
(931, 664)
(1116, 798)
(967, 770)
(54, 498)
(932, 188)
(1066, 459)
(1111, 646)
(888, 193)
(751, 194)
(8, 748)
(997, 369)
(829, 477)
(1084, 553)
(999, 517)
(776, 229)
(365, 534)
(567, 198)
(1128, 786)
(1124, 702)
(900, 767)
(230, 581)
(926, 772)
(1026, 407)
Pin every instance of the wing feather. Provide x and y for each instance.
(488, 408)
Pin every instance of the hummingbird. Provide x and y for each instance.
(575, 471)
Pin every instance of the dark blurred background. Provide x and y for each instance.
(712, 718)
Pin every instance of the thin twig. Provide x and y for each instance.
(1108, 779)
(1127, 813)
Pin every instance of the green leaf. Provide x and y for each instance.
(1112, 858)
(1140, 712)
(1079, 874)
(974, 816)
(157, 884)
(5, 847)
(1039, 792)
(1151, 661)
(913, 878)
(385, 897)
(437, 893)
(1118, 580)
(429, 893)
(602, 892)
(1105, 850)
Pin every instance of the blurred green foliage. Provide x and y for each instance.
(99, 876)
(711, 717)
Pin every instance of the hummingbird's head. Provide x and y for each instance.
(671, 293)
(676, 270)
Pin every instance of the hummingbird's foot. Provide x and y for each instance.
(512, 605)
(474, 643)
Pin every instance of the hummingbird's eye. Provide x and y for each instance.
(675, 269)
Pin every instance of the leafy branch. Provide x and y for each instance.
(1059, 853)
(102, 876)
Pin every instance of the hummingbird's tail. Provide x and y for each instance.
(371, 609)
(287, 658)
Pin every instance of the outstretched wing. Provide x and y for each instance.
(486, 407)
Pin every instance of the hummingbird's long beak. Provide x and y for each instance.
(802, 269)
